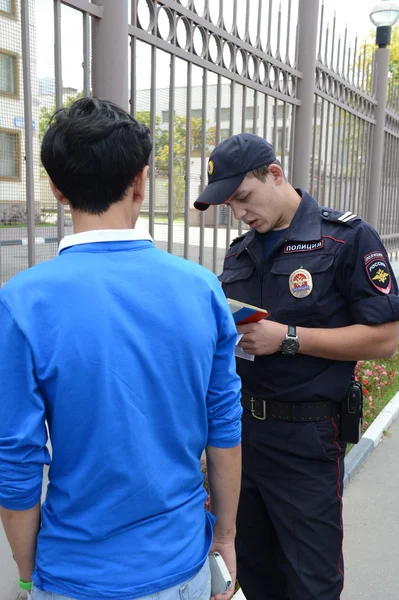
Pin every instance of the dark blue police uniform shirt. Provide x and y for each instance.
(270, 239)
(353, 283)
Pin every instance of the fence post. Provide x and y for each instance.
(110, 52)
(380, 87)
(308, 14)
(28, 119)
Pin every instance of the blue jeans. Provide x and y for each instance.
(197, 588)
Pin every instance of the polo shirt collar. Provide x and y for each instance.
(103, 235)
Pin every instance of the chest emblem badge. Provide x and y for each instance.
(301, 283)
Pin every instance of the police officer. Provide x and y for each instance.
(325, 278)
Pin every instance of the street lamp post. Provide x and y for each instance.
(384, 15)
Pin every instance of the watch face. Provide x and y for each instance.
(290, 346)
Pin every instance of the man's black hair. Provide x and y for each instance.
(93, 151)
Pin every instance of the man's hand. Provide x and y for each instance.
(227, 550)
(260, 338)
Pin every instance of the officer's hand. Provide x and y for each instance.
(260, 338)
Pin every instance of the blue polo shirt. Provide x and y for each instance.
(128, 353)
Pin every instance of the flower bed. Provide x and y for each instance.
(380, 381)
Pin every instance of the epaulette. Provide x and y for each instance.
(238, 239)
(337, 216)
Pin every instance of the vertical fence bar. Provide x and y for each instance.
(343, 152)
(269, 28)
(326, 153)
(58, 97)
(292, 141)
(231, 131)
(133, 63)
(203, 162)
(171, 179)
(314, 134)
(320, 149)
(332, 174)
(188, 162)
(217, 208)
(243, 129)
(30, 191)
(255, 119)
(287, 50)
(284, 135)
(153, 125)
(308, 12)
(86, 55)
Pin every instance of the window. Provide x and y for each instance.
(278, 111)
(8, 74)
(196, 113)
(280, 149)
(10, 152)
(224, 134)
(8, 7)
(224, 114)
(250, 111)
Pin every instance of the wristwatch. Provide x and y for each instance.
(290, 345)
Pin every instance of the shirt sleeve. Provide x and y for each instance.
(224, 391)
(366, 278)
(23, 433)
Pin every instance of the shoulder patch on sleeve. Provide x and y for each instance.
(378, 271)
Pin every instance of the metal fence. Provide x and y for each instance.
(195, 71)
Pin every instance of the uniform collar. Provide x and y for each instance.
(306, 224)
(103, 235)
(304, 227)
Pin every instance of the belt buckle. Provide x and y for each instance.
(258, 409)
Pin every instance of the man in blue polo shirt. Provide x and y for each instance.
(128, 354)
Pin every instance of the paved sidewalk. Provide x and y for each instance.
(371, 517)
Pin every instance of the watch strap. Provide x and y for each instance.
(291, 331)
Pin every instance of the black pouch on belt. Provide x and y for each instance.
(351, 414)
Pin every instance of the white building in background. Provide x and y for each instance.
(12, 123)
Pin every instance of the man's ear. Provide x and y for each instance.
(277, 173)
(139, 185)
(59, 196)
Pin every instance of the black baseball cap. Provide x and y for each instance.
(228, 165)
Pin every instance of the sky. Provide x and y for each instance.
(353, 13)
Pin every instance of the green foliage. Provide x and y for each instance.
(161, 136)
(46, 114)
(369, 46)
(161, 151)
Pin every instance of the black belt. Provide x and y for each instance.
(289, 411)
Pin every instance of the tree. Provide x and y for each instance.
(45, 116)
(161, 136)
(368, 47)
(162, 145)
